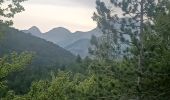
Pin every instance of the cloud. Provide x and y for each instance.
(82, 3)
(49, 16)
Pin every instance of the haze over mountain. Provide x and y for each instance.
(78, 42)
(79, 47)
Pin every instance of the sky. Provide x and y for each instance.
(74, 15)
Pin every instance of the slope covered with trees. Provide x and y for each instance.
(46, 53)
(46, 56)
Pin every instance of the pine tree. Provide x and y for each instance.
(157, 55)
(125, 31)
(78, 59)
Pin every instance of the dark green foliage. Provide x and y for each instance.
(80, 66)
(69, 86)
(11, 64)
(78, 59)
(157, 55)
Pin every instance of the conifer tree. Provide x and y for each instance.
(125, 31)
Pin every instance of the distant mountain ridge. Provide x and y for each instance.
(66, 39)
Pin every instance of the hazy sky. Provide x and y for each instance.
(46, 14)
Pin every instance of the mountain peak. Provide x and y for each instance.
(34, 29)
(60, 29)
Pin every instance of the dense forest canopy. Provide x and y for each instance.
(130, 61)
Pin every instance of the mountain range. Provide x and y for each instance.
(77, 42)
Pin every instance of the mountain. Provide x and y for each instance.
(62, 33)
(66, 39)
(34, 30)
(47, 57)
(80, 47)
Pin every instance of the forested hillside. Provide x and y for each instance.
(46, 56)
(46, 53)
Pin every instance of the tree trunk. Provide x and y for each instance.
(140, 59)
